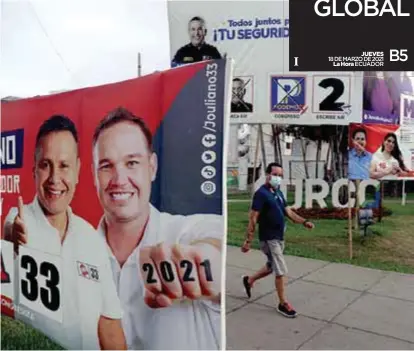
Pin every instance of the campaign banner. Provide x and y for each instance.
(256, 35)
(407, 109)
(387, 97)
(379, 151)
(113, 206)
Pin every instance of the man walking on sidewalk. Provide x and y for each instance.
(269, 208)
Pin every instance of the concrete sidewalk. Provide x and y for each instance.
(340, 306)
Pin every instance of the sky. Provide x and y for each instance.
(52, 45)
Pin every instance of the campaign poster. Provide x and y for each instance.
(407, 110)
(379, 151)
(113, 206)
(256, 35)
(386, 96)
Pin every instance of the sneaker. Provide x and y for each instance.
(287, 310)
(247, 287)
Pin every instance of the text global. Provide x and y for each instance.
(354, 8)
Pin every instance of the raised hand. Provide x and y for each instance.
(19, 229)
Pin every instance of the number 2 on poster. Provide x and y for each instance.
(330, 95)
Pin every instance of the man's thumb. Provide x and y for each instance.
(20, 207)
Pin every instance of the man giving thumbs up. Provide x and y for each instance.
(90, 309)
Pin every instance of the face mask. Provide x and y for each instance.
(275, 181)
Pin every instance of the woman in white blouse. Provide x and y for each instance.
(388, 160)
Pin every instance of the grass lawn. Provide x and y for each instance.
(392, 249)
(17, 336)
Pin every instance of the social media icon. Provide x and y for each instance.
(208, 172)
(208, 157)
(209, 140)
(208, 187)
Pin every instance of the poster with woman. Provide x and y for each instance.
(378, 151)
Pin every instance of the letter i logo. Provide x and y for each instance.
(5, 277)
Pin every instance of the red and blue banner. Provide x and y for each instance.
(379, 151)
(186, 110)
(181, 112)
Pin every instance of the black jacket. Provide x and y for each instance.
(189, 54)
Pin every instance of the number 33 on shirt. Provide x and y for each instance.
(171, 272)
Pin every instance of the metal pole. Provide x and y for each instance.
(404, 195)
(349, 220)
(255, 165)
(357, 205)
(139, 64)
(262, 145)
(381, 201)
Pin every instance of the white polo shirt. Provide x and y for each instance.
(83, 300)
(186, 324)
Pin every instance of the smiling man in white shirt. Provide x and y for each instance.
(167, 268)
(82, 287)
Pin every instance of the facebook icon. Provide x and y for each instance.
(287, 94)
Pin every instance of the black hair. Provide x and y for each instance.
(396, 152)
(56, 123)
(359, 130)
(271, 165)
(196, 18)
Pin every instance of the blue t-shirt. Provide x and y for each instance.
(271, 206)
